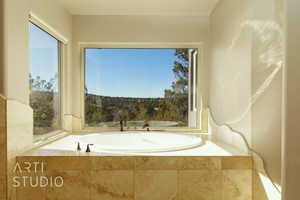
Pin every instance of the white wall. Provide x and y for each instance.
(230, 69)
(267, 81)
(291, 174)
(133, 29)
(16, 33)
(245, 91)
(16, 66)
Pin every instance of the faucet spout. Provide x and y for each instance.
(121, 125)
(146, 125)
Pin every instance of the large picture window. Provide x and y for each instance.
(44, 80)
(139, 86)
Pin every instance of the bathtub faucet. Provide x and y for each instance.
(146, 125)
(121, 125)
(88, 148)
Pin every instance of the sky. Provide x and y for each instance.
(143, 73)
(43, 54)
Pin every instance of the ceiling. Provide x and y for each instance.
(140, 7)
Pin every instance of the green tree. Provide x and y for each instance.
(177, 96)
(181, 72)
(42, 98)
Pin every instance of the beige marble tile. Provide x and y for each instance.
(2, 148)
(194, 163)
(181, 163)
(200, 184)
(2, 187)
(237, 185)
(2, 163)
(30, 193)
(67, 163)
(112, 163)
(112, 185)
(27, 185)
(156, 163)
(19, 127)
(237, 162)
(2, 112)
(258, 191)
(31, 163)
(76, 186)
(156, 185)
(11, 191)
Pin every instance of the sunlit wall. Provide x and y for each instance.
(246, 74)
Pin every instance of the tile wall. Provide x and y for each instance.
(138, 178)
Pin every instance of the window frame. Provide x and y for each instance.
(197, 46)
(61, 50)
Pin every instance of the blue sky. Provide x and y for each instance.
(129, 72)
(109, 72)
(43, 54)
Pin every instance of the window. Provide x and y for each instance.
(139, 86)
(44, 80)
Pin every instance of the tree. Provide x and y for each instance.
(173, 107)
(181, 72)
(177, 96)
(42, 98)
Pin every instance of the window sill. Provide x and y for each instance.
(162, 129)
(47, 138)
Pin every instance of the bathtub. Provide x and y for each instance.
(139, 142)
(121, 164)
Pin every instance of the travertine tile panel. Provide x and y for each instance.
(156, 185)
(112, 185)
(237, 185)
(112, 163)
(31, 193)
(19, 127)
(31, 163)
(156, 163)
(200, 184)
(2, 112)
(67, 163)
(76, 185)
(2, 187)
(3, 149)
(2, 163)
(194, 163)
(237, 162)
(29, 185)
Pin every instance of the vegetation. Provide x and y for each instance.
(100, 110)
(107, 111)
(42, 101)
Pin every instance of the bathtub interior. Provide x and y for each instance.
(140, 142)
(166, 144)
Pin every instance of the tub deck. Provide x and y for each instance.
(67, 147)
(211, 171)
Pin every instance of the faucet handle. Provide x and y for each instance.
(88, 148)
(78, 146)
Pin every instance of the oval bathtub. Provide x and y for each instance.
(139, 142)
